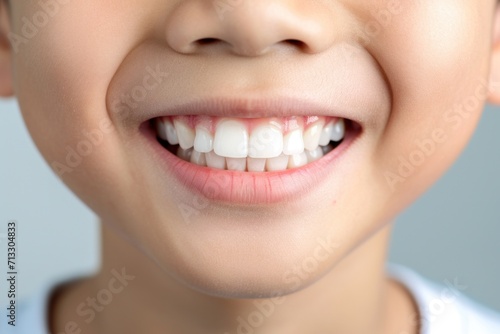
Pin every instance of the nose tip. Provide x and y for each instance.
(249, 28)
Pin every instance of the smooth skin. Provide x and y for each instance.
(423, 76)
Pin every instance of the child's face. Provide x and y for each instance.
(89, 75)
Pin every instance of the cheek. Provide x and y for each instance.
(438, 80)
(62, 76)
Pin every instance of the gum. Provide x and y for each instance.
(286, 124)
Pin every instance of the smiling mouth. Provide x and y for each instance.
(252, 144)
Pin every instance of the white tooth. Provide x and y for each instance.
(256, 164)
(204, 141)
(312, 134)
(326, 134)
(198, 158)
(297, 160)
(170, 133)
(231, 139)
(185, 134)
(314, 155)
(215, 161)
(161, 129)
(266, 141)
(277, 164)
(239, 164)
(293, 143)
(184, 154)
(338, 132)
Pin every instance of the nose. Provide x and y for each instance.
(250, 27)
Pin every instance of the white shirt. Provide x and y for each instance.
(443, 308)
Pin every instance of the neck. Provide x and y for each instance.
(353, 297)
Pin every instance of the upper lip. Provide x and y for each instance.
(242, 107)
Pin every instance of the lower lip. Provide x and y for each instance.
(250, 188)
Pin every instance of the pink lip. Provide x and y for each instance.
(256, 107)
(250, 188)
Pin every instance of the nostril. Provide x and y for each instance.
(208, 40)
(295, 42)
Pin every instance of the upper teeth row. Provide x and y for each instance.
(231, 138)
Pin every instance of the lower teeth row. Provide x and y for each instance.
(280, 163)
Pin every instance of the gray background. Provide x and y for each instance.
(452, 232)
